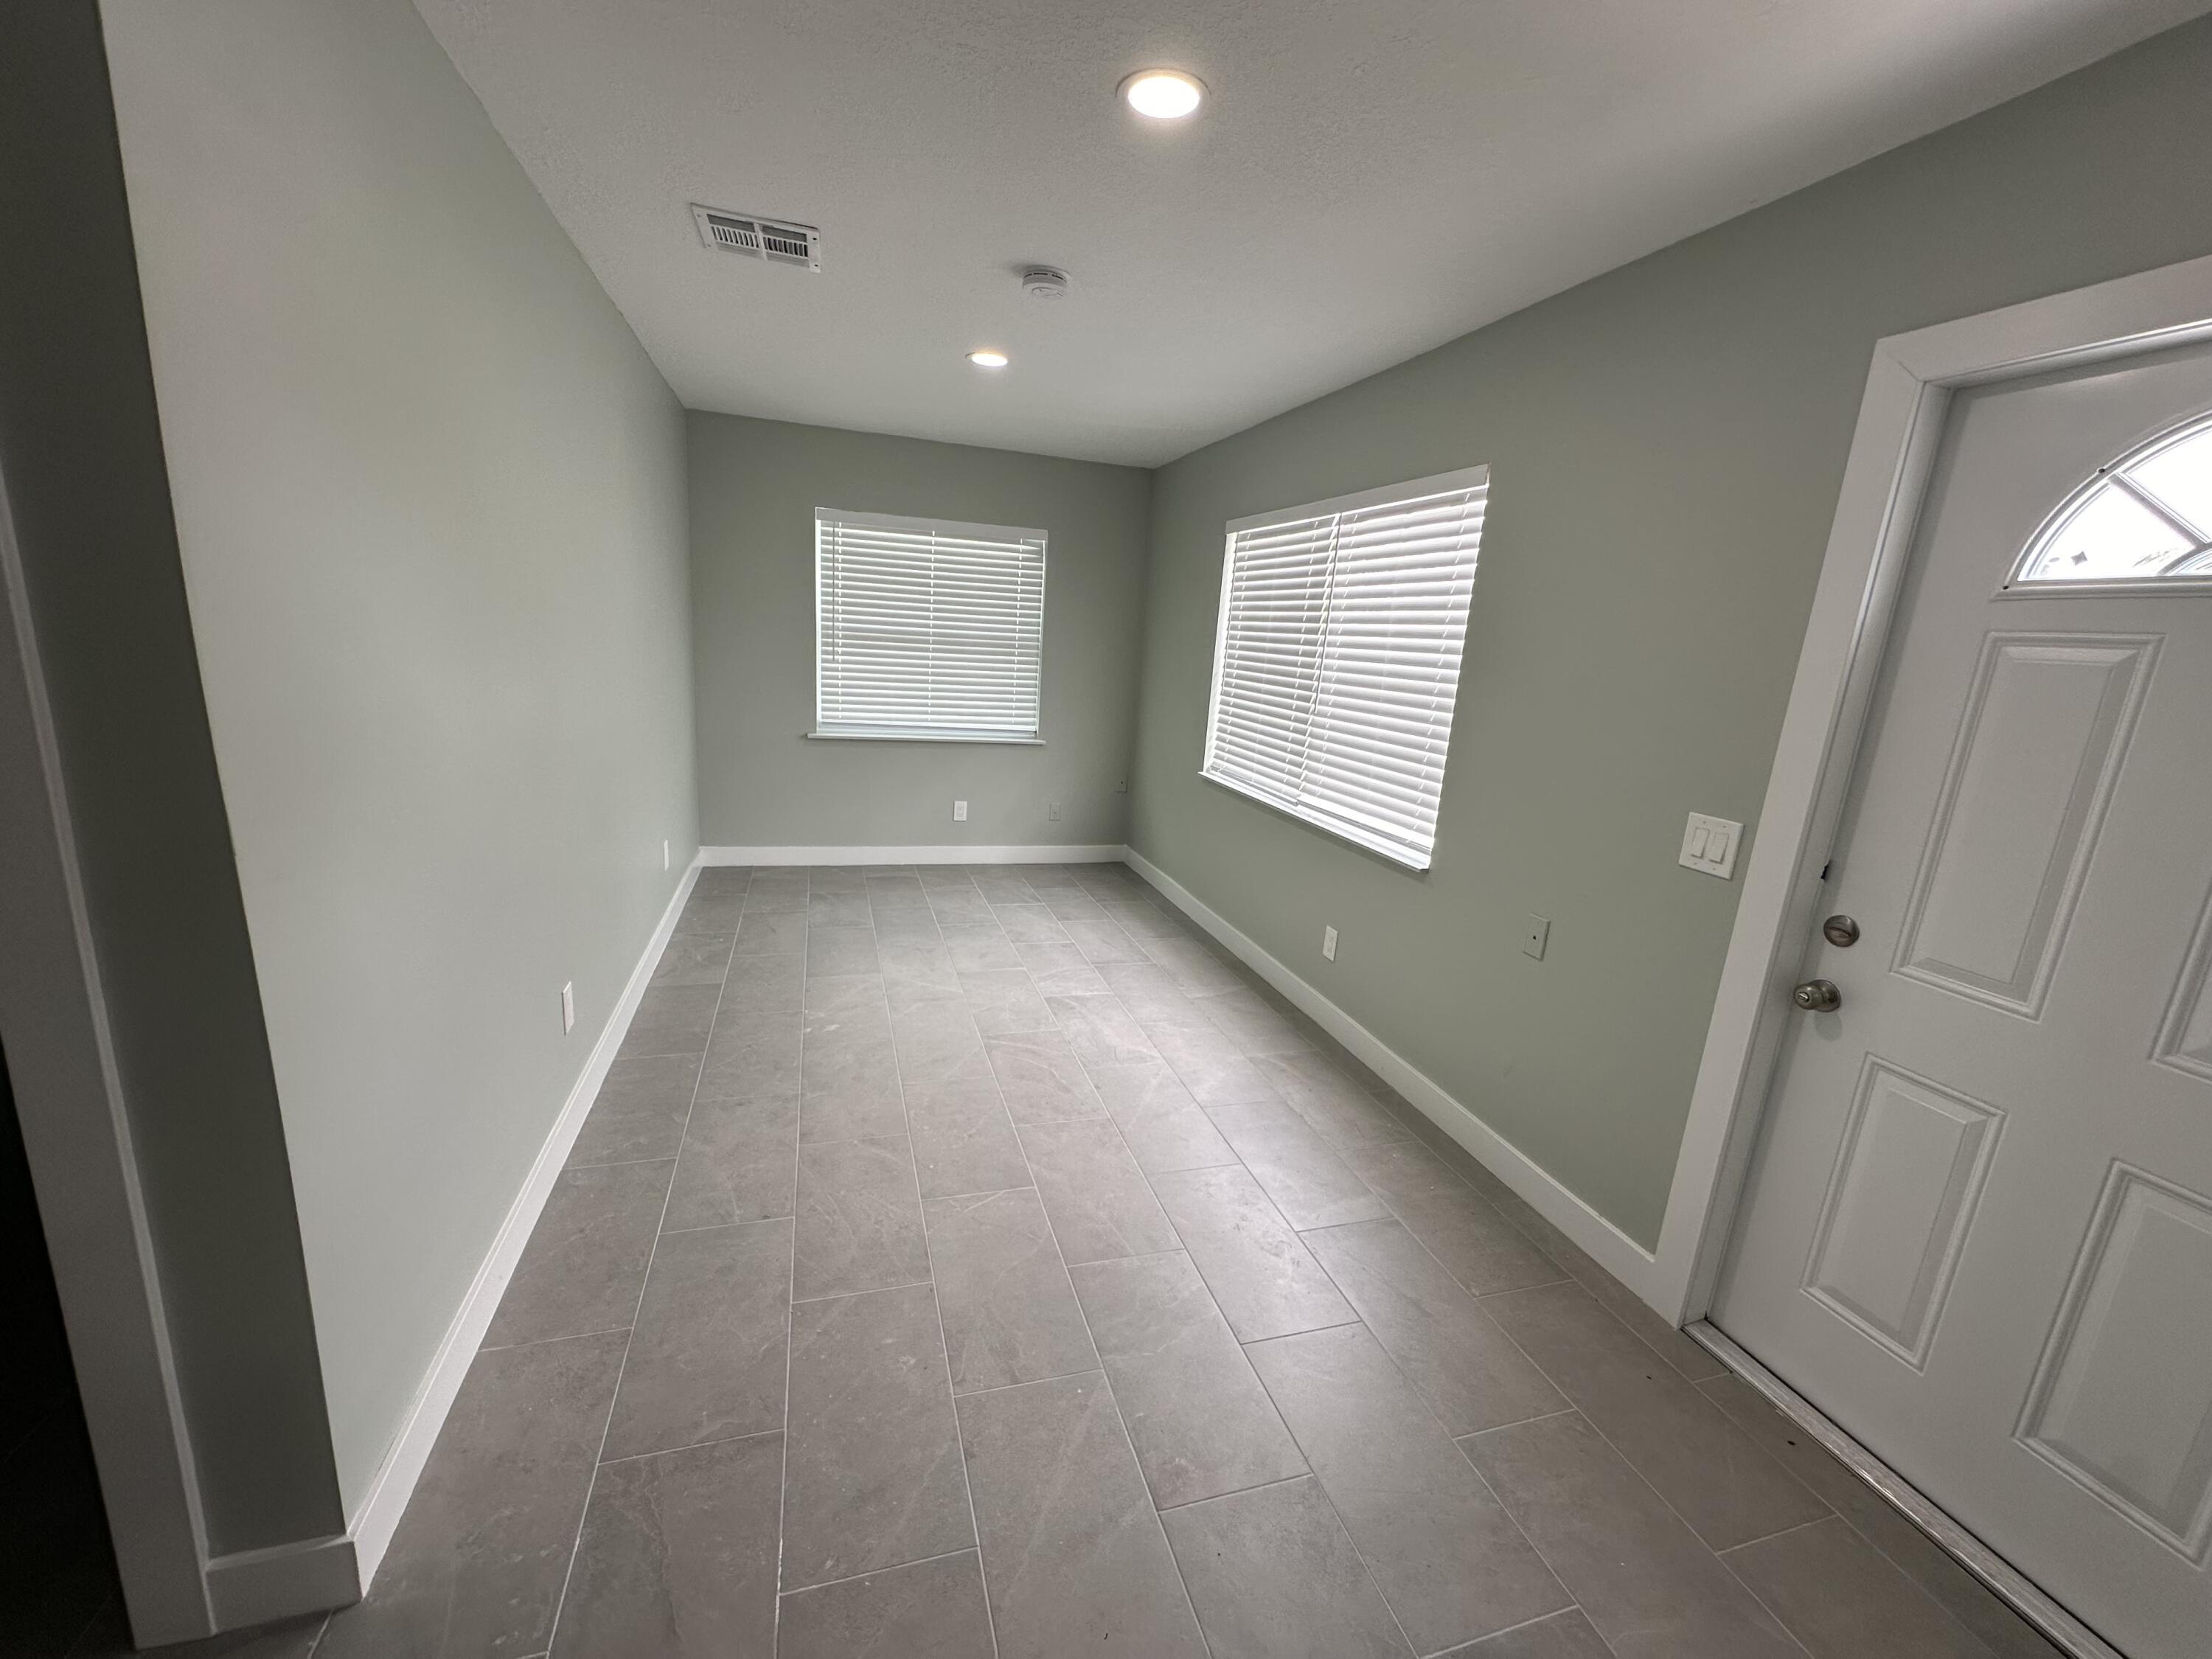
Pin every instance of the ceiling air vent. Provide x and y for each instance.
(776, 240)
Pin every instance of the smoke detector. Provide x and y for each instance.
(779, 241)
(1044, 282)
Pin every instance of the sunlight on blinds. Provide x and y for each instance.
(926, 629)
(1338, 660)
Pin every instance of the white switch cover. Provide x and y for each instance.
(1536, 937)
(568, 1007)
(663, 855)
(1053, 812)
(1709, 845)
(960, 812)
(1328, 942)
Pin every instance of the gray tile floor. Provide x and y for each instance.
(962, 1263)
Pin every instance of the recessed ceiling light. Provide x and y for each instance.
(988, 359)
(1164, 94)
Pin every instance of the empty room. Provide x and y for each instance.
(950, 830)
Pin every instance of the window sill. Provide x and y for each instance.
(1013, 739)
(1398, 858)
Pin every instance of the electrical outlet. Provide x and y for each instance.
(1329, 944)
(569, 1007)
(960, 812)
(1052, 812)
(1535, 937)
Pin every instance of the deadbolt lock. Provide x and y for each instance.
(1840, 931)
(1818, 996)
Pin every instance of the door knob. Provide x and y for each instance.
(1818, 996)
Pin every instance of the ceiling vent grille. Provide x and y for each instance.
(779, 241)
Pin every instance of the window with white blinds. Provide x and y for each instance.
(926, 629)
(1337, 664)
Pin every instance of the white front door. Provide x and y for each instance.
(1978, 1228)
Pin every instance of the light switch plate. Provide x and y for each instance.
(1536, 937)
(1709, 846)
(960, 812)
(1328, 942)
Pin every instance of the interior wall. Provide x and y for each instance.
(755, 485)
(430, 495)
(103, 600)
(1666, 444)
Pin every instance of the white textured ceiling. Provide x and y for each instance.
(1369, 177)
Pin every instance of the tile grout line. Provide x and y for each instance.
(1532, 1236)
(1031, 1382)
(1461, 1182)
(936, 1304)
(1567, 1410)
(623, 1162)
(1542, 1618)
(1081, 1313)
(1321, 1485)
(988, 1191)
(1760, 1601)
(1145, 1175)
(1236, 1491)
(873, 1289)
(901, 1567)
(721, 1226)
(1538, 1244)
(1575, 1410)
(614, 1400)
(542, 1341)
(1480, 1296)
(1851, 1524)
(1944, 1611)
(1310, 1330)
(1329, 1498)
(1779, 1532)
(790, 1279)
(688, 1446)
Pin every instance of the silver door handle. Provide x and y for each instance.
(1818, 996)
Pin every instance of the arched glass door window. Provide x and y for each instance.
(2146, 518)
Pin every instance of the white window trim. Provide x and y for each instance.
(817, 732)
(1466, 477)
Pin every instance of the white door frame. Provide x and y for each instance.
(68, 1099)
(1908, 393)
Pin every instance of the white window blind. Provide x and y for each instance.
(926, 629)
(1337, 664)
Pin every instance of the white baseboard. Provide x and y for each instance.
(255, 1586)
(373, 1524)
(1098, 853)
(1614, 1249)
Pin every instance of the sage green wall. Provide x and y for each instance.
(430, 495)
(104, 599)
(1667, 442)
(755, 485)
